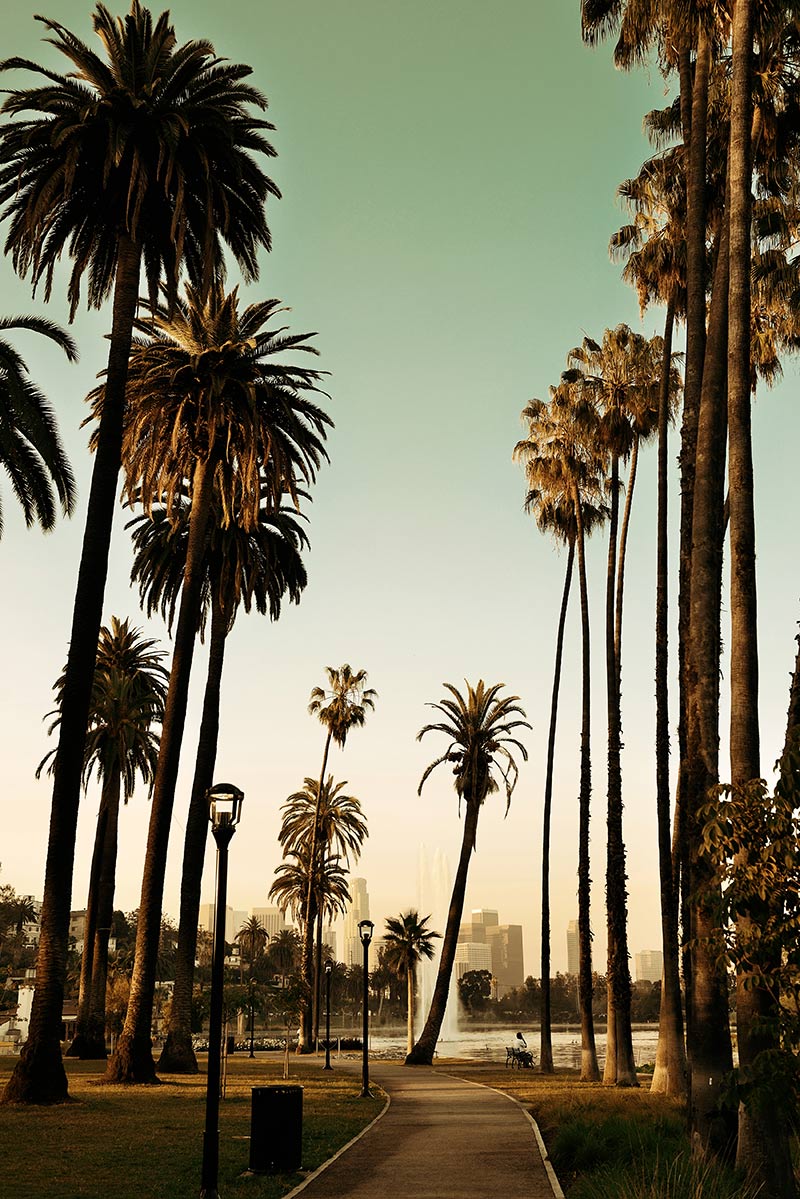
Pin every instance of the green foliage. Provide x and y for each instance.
(682, 1177)
(475, 989)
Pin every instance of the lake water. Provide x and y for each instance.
(489, 1044)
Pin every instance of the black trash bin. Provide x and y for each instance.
(230, 1044)
(276, 1129)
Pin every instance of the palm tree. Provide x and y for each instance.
(128, 692)
(340, 707)
(30, 448)
(340, 828)
(258, 567)
(329, 892)
(480, 727)
(406, 942)
(563, 454)
(211, 410)
(654, 248)
(622, 373)
(140, 157)
(253, 935)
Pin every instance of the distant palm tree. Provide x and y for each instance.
(258, 568)
(255, 937)
(130, 684)
(341, 830)
(139, 158)
(340, 707)
(329, 891)
(479, 726)
(406, 942)
(211, 408)
(30, 449)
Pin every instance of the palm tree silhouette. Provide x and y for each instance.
(480, 727)
(406, 942)
(128, 692)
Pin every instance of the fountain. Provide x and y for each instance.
(434, 885)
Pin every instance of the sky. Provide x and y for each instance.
(448, 175)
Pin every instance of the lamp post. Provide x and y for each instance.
(328, 973)
(224, 812)
(365, 928)
(252, 1016)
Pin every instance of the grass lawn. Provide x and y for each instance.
(127, 1142)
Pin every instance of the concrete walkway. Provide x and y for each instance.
(441, 1138)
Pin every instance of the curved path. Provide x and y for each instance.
(441, 1138)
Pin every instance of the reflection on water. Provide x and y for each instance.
(489, 1044)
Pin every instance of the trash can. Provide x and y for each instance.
(276, 1129)
(230, 1044)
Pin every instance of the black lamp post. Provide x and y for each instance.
(252, 1017)
(365, 928)
(328, 973)
(224, 812)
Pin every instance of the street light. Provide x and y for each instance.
(328, 973)
(365, 928)
(224, 812)
(252, 1015)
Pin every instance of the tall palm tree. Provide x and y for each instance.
(130, 684)
(406, 942)
(211, 410)
(258, 567)
(341, 706)
(139, 157)
(622, 373)
(30, 448)
(329, 891)
(479, 727)
(553, 511)
(563, 453)
(653, 246)
(340, 829)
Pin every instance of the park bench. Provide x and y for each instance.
(519, 1055)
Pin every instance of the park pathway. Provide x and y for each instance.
(441, 1138)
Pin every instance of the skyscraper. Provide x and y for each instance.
(649, 965)
(573, 948)
(357, 911)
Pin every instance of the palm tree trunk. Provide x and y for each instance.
(39, 1075)
(304, 1042)
(669, 1076)
(620, 1067)
(318, 978)
(695, 356)
(763, 1144)
(589, 1069)
(132, 1061)
(177, 1056)
(422, 1053)
(77, 1046)
(410, 1016)
(709, 1045)
(546, 1043)
(96, 1033)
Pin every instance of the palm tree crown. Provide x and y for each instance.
(407, 941)
(480, 730)
(30, 448)
(341, 825)
(344, 704)
(153, 140)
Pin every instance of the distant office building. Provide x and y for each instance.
(233, 920)
(472, 955)
(272, 920)
(329, 940)
(358, 910)
(505, 947)
(573, 948)
(649, 965)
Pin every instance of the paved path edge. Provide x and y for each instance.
(321, 1169)
(552, 1177)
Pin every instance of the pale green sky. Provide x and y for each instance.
(448, 174)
